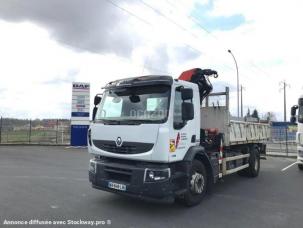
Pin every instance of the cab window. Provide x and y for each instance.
(178, 122)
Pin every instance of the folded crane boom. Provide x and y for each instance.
(200, 77)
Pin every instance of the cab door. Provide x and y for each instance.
(184, 131)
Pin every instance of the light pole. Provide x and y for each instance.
(237, 80)
(242, 88)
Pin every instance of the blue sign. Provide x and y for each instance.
(80, 114)
(79, 135)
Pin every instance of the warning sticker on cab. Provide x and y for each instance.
(172, 145)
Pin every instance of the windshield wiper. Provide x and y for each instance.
(140, 121)
(110, 122)
(130, 122)
(119, 122)
(127, 121)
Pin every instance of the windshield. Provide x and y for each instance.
(147, 104)
(300, 116)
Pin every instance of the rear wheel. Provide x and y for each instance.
(197, 184)
(254, 164)
(300, 166)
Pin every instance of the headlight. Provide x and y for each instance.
(92, 166)
(154, 175)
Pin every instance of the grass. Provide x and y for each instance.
(35, 136)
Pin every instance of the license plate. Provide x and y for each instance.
(121, 187)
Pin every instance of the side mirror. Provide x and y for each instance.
(293, 112)
(186, 94)
(187, 111)
(94, 112)
(97, 100)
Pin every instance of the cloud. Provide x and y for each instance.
(219, 86)
(69, 77)
(202, 12)
(164, 54)
(40, 56)
(92, 25)
(184, 53)
(100, 27)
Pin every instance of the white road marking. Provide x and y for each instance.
(287, 167)
(54, 206)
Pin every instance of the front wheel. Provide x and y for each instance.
(300, 166)
(197, 184)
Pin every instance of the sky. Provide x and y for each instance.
(45, 45)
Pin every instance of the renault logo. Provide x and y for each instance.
(119, 142)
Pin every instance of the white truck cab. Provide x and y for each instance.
(141, 119)
(299, 137)
(151, 139)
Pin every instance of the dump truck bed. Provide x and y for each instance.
(235, 130)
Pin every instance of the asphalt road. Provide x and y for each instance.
(51, 184)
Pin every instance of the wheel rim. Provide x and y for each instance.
(197, 183)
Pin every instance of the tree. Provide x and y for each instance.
(248, 113)
(270, 116)
(255, 114)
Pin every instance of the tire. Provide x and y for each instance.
(254, 164)
(197, 186)
(300, 166)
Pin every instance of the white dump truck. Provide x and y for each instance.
(300, 129)
(161, 139)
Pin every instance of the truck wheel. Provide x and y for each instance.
(197, 184)
(254, 164)
(300, 166)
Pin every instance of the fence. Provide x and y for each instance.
(50, 131)
(283, 139)
(57, 132)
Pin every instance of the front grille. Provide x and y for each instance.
(125, 148)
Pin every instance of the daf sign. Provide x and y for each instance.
(80, 113)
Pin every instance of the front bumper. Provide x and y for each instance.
(132, 175)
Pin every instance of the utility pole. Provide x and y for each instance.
(237, 81)
(284, 86)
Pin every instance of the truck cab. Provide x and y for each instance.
(146, 140)
(140, 135)
(299, 138)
